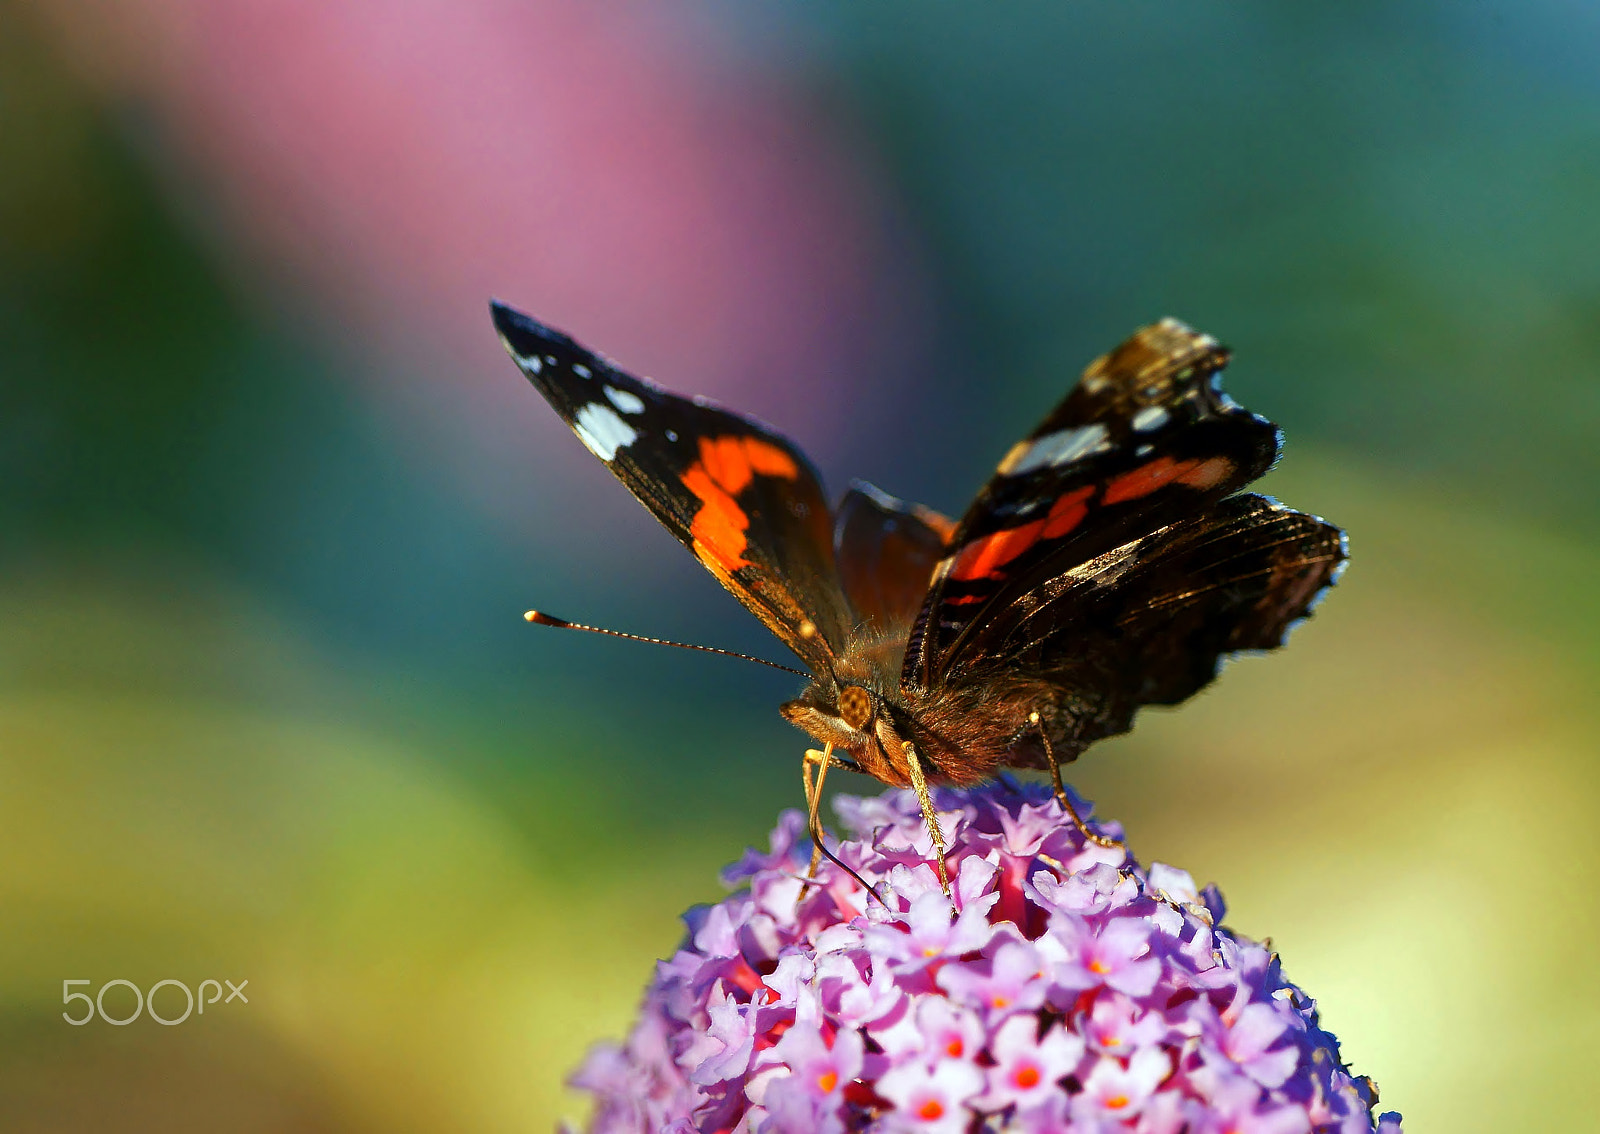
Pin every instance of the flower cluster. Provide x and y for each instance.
(1061, 987)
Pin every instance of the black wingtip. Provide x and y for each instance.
(504, 316)
(525, 334)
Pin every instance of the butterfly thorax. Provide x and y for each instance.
(962, 731)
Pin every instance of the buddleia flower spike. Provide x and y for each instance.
(1061, 986)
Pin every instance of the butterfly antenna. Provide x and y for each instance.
(541, 619)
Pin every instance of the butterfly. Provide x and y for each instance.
(1110, 562)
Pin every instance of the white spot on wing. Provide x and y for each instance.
(580, 370)
(1058, 448)
(624, 400)
(1151, 417)
(529, 362)
(599, 428)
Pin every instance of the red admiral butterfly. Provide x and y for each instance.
(1106, 565)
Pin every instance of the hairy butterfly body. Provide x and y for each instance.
(1110, 561)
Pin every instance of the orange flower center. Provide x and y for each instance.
(931, 1110)
(1001, 1002)
(827, 1081)
(955, 1047)
(1099, 967)
(1116, 1102)
(1027, 1077)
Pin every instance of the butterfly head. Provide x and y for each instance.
(854, 719)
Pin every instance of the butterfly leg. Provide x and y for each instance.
(815, 766)
(919, 784)
(1061, 790)
(813, 772)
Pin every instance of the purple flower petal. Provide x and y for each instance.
(931, 1099)
(1014, 981)
(1028, 1068)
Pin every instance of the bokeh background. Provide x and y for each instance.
(272, 501)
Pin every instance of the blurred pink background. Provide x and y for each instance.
(385, 168)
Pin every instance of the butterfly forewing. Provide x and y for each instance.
(739, 495)
(1143, 440)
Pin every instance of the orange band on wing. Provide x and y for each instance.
(981, 558)
(1208, 474)
(726, 467)
(1142, 481)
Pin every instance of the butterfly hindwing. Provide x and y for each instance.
(1145, 438)
(739, 495)
(1149, 622)
(887, 549)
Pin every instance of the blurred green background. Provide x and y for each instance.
(271, 502)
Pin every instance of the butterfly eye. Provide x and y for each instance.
(855, 706)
